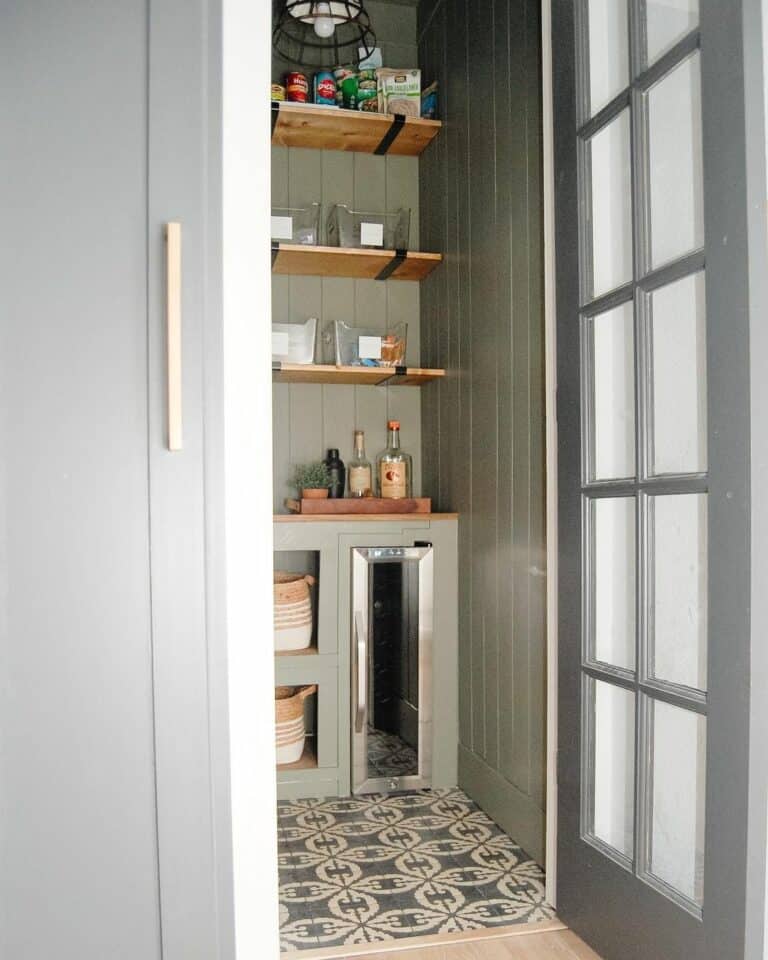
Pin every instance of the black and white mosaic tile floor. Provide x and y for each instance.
(390, 756)
(368, 869)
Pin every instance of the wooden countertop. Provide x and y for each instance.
(360, 517)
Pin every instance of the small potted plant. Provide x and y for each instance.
(312, 480)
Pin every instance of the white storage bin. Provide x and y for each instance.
(294, 342)
(297, 224)
(363, 346)
(354, 228)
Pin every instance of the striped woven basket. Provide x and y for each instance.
(293, 610)
(289, 721)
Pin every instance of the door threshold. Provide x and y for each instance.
(348, 951)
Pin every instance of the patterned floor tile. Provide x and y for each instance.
(385, 866)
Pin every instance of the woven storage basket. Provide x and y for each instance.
(293, 610)
(289, 721)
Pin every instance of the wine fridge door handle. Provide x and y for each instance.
(173, 332)
(362, 672)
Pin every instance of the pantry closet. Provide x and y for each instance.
(474, 424)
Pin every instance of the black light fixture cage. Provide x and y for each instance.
(294, 38)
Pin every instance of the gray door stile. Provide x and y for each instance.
(183, 72)
(611, 902)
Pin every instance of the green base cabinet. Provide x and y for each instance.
(326, 546)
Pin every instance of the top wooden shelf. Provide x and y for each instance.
(331, 128)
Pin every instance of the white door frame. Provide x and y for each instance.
(550, 387)
(246, 279)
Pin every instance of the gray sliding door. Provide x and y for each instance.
(107, 678)
(653, 419)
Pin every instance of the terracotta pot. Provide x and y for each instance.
(313, 493)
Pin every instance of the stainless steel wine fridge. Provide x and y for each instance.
(392, 624)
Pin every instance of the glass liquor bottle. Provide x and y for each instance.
(336, 471)
(359, 469)
(394, 468)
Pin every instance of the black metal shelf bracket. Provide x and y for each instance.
(398, 122)
(393, 264)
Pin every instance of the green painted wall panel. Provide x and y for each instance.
(483, 427)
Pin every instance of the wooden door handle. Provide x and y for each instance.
(173, 331)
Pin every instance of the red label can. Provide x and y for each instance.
(296, 87)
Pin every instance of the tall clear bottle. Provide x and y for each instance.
(394, 467)
(359, 469)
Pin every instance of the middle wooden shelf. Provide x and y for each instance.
(358, 263)
(357, 376)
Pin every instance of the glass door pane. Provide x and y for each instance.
(611, 192)
(677, 795)
(678, 361)
(611, 412)
(393, 671)
(667, 22)
(611, 817)
(675, 163)
(678, 590)
(612, 575)
(609, 47)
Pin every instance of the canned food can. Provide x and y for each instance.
(349, 91)
(367, 92)
(296, 87)
(325, 87)
(278, 91)
(340, 73)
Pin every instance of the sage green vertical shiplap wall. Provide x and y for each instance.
(307, 418)
(483, 428)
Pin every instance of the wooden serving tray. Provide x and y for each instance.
(360, 505)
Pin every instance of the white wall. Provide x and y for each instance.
(248, 473)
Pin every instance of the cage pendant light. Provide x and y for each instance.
(323, 33)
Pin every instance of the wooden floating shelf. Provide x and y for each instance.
(360, 517)
(364, 506)
(307, 761)
(357, 376)
(326, 128)
(359, 264)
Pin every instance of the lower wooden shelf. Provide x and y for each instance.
(361, 517)
(357, 376)
(307, 761)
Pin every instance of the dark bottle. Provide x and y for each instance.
(338, 474)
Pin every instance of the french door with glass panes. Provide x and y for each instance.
(649, 174)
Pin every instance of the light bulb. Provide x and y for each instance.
(324, 25)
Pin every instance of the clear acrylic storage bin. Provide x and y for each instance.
(297, 224)
(356, 228)
(294, 342)
(362, 346)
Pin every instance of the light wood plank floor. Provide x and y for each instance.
(557, 945)
(551, 941)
